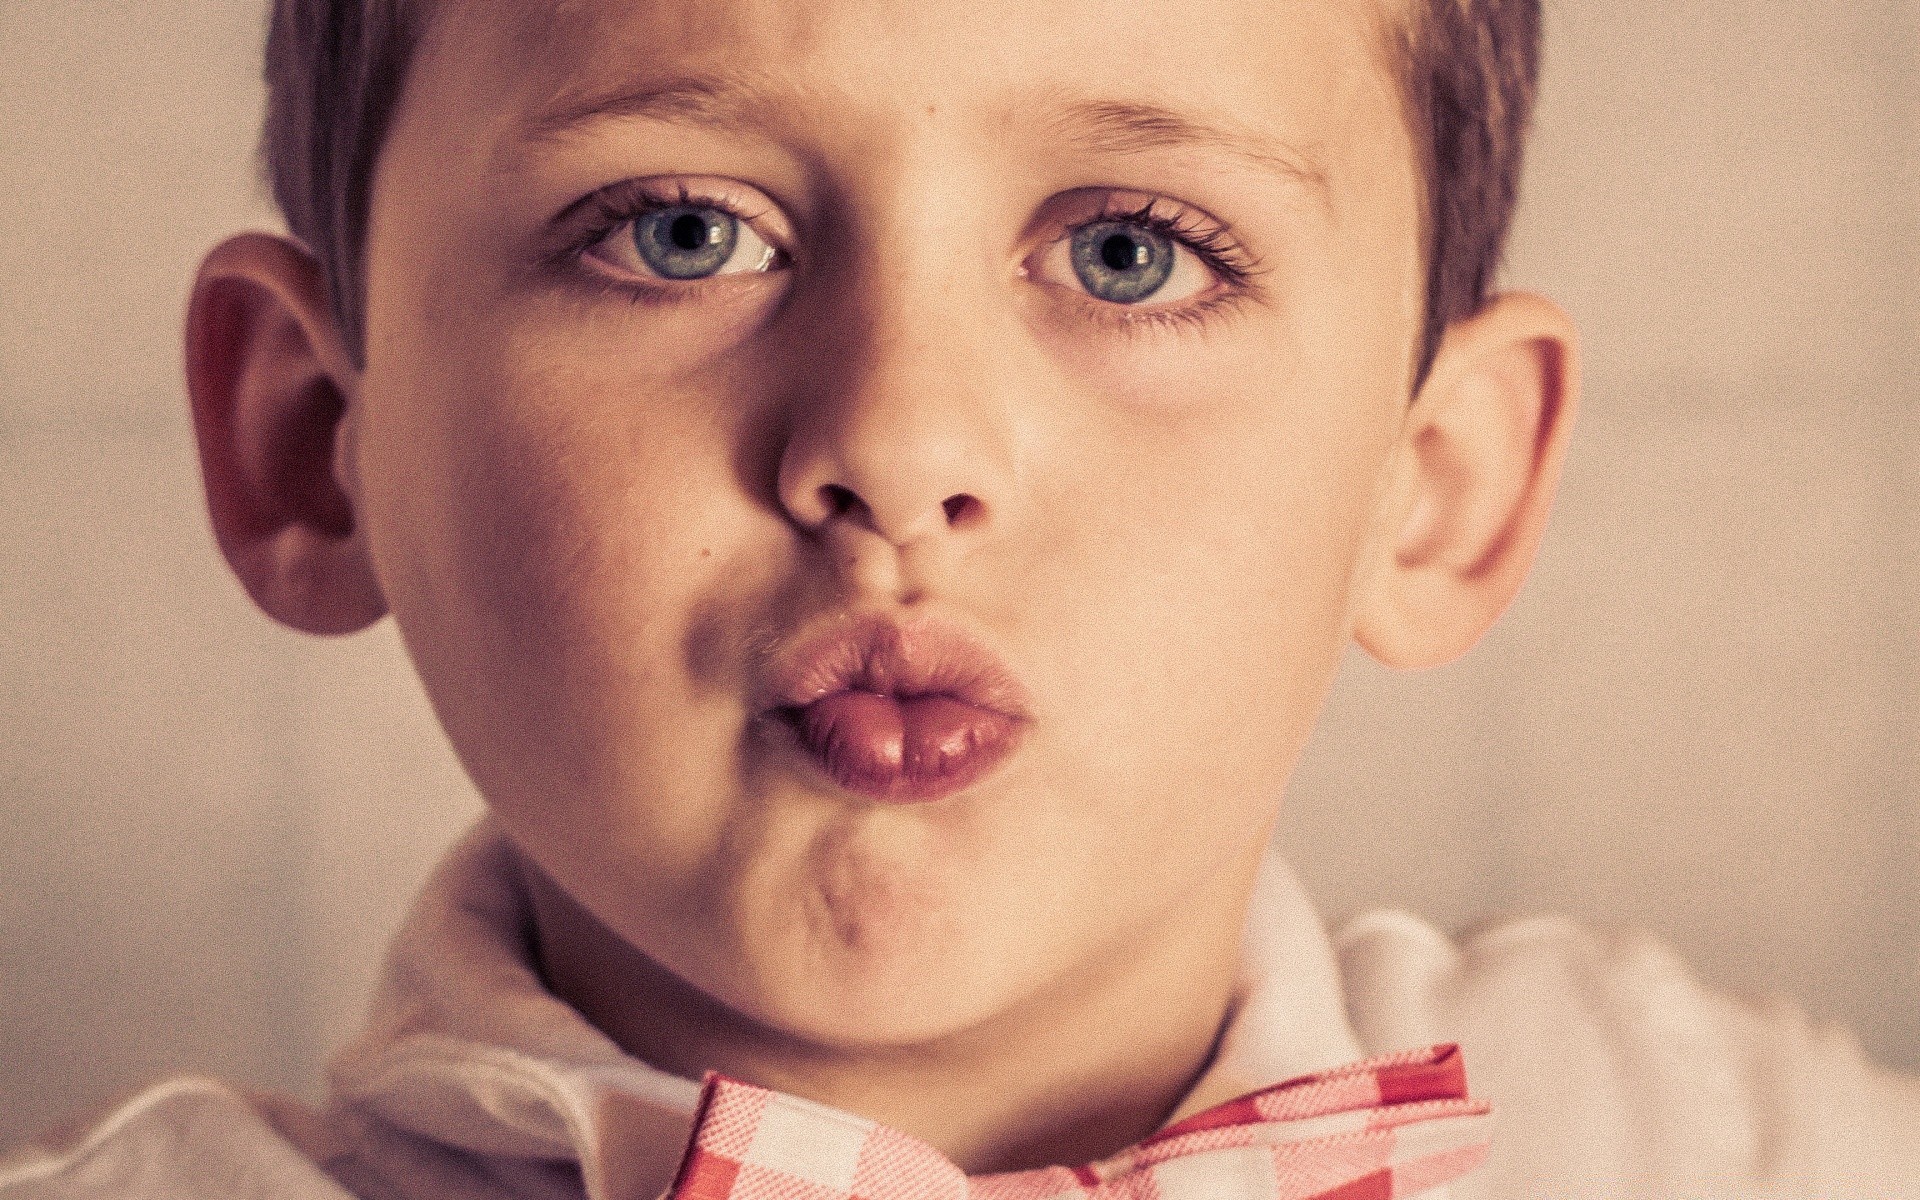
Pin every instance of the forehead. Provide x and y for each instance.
(1314, 73)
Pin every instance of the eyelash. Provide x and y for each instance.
(1213, 243)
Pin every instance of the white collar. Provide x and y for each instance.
(465, 1048)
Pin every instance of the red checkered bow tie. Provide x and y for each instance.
(1383, 1129)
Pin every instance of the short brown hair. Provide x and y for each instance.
(1468, 72)
(334, 71)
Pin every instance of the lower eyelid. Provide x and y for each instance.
(718, 305)
(1192, 317)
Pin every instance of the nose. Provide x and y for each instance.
(902, 435)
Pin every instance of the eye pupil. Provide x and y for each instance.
(1121, 252)
(689, 232)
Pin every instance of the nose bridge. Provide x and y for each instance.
(903, 422)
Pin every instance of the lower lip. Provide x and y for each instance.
(903, 749)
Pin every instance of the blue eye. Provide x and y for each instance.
(1121, 262)
(686, 241)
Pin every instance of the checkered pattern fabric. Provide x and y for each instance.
(1385, 1129)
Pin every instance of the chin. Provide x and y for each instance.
(875, 979)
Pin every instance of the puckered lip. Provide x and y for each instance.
(890, 656)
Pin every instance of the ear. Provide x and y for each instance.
(275, 396)
(1473, 479)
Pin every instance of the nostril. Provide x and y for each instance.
(839, 500)
(963, 510)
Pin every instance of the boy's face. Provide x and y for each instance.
(603, 502)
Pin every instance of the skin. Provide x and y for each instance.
(589, 515)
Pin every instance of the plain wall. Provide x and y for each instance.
(1703, 716)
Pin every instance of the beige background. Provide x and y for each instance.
(1703, 717)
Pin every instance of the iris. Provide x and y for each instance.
(1121, 262)
(686, 241)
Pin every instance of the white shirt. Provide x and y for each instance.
(1613, 1073)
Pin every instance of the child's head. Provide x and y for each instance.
(683, 355)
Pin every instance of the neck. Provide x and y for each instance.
(1095, 1063)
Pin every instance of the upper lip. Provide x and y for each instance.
(888, 656)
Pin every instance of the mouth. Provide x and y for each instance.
(898, 712)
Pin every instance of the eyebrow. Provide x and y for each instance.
(1133, 127)
(1089, 126)
(723, 102)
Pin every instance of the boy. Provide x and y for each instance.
(876, 499)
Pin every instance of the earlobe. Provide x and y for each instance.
(1478, 463)
(271, 387)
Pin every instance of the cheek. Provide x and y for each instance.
(529, 517)
(565, 454)
(1213, 569)
(546, 535)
